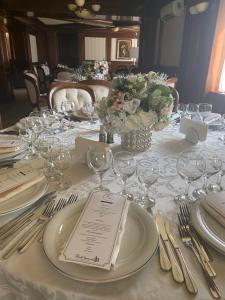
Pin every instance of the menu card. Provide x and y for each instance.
(15, 180)
(95, 240)
(10, 145)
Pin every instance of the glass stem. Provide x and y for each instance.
(187, 188)
(124, 191)
(100, 177)
(205, 183)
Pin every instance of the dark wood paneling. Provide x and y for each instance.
(218, 102)
(68, 48)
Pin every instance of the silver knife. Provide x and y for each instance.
(189, 281)
(176, 270)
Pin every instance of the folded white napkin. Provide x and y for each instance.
(83, 144)
(18, 180)
(194, 130)
(95, 241)
(214, 204)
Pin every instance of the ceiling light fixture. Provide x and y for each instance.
(80, 11)
(199, 8)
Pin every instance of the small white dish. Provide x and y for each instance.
(208, 228)
(139, 243)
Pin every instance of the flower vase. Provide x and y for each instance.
(137, 140)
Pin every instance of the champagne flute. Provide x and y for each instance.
(148, 173)
(125, 166)
(190, 166)
(99, 161)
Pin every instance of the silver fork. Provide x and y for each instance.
(43, 218)
(38, 229)
(186, 239)
(72, 199)
(184, 222)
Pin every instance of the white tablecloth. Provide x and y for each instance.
(31, 276)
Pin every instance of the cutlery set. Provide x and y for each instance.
(13, 236)
(168, 247)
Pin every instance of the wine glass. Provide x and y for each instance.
(125, 166)
(190, 166)
(192, 110)
(204, 110)
(182, 109)
(62, 163)
(99, 161)
(148, 173)
(213, 167)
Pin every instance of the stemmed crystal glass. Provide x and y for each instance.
(213, 167)
(193, 110)
(204, 110)
(99, 161)
(62, 162)
(49, 148)
(125, 166)
(148, 173)
(190, 166)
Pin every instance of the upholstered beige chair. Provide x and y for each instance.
(100, 87)
(37, 99)
(67, 92)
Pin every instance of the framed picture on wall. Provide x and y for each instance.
(123, 49)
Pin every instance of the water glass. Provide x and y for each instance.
(124, 166)
(190, 166)
(204, 110)
(99, 161)
(62, 162)
(148, 174)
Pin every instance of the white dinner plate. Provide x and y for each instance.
(7, 156)
(139, 243)
(208, 228)
(24, 199)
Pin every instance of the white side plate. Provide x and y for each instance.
(24, 199)
(6, 156)
(139, 243)
(208, 228)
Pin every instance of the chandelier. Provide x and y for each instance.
(80, 11)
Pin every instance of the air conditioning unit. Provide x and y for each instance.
(172, 9)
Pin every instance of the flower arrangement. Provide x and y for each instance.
(136, 101)
(95, 69)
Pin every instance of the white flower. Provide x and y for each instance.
(131, 106)
(148, 118)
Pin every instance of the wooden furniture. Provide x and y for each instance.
(37, 99)
(100, 88)
(172, 81)
(176, 97)
(67, 92)
(1, 125)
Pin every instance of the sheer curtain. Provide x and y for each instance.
(216, 73)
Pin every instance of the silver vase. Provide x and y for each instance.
(137, 140)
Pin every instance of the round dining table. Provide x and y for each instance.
(31, 275)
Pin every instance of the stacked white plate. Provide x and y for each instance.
(208, 228)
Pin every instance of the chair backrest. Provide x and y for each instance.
(67, 92)
(64, 75)
(31, 83)
(172, 81)
(176, 97)
(100, 88)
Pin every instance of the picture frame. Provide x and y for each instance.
(123, 49)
